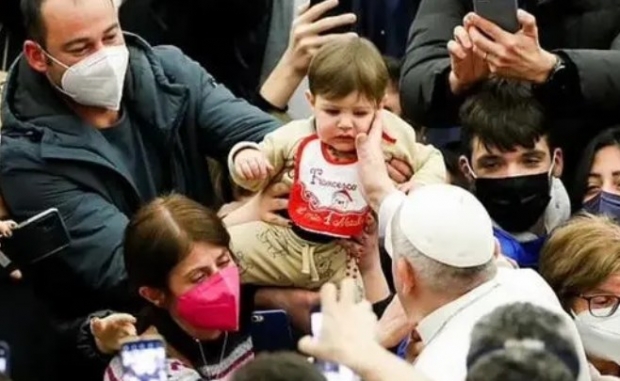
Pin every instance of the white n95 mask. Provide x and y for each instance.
(600, 335)
(98, 79)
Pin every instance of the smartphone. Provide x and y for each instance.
(4, 358)
(271, 331)
(37, 238)
(344, 6)
(331, 371)
(144, 359)
(503, 13)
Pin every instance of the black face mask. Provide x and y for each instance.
(515, 203)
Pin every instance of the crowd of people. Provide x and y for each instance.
(198, 203)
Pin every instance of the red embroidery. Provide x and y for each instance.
(330, 215)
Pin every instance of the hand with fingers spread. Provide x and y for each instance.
(263, 206)
(517, 55)
(272, 200)
(252, 164)
(111, 330)
(309, 33)
(467, 68)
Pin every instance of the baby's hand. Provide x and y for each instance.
(251, 164)
(6, 228)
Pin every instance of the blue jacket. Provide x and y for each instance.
(526, 254)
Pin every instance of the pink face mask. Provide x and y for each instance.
(214, 303)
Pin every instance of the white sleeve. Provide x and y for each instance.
(388, 208)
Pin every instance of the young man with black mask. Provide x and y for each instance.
(512, 167)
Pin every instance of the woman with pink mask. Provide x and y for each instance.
(177, 259)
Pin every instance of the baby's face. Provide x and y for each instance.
(338, 121)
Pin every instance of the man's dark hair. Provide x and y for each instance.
(393, 65)
(283, 366)
(33, 20)
(522, 342)
(502, 114)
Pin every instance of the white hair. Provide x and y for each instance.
(439, 277)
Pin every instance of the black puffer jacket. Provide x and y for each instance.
(586, 32)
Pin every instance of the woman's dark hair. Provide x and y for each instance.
(608, 137)
(394, 66)
(162, 233)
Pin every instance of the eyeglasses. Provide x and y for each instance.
(602, 305)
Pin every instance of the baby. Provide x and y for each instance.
(317, 158)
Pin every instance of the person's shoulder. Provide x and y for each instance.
(177, 65)
(398, 135)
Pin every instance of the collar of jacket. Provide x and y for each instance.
(33, 108)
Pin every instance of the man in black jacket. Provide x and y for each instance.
(569, 50)
(97, 123)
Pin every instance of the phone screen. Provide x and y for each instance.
(144, 360)
(37, 238)
(271, 331)
(331, 371)
(4, 358)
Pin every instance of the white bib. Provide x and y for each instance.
(326, 196)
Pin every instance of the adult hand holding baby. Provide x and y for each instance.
(252, 164)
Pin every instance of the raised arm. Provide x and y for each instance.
(425, 93)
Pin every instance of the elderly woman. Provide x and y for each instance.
(596, 188)
(581, 262)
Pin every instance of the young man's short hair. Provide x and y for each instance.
(348, 65)
(521, 341)
(502, 114)
(393, 66)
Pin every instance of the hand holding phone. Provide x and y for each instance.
(271, 331)
(37, 238)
